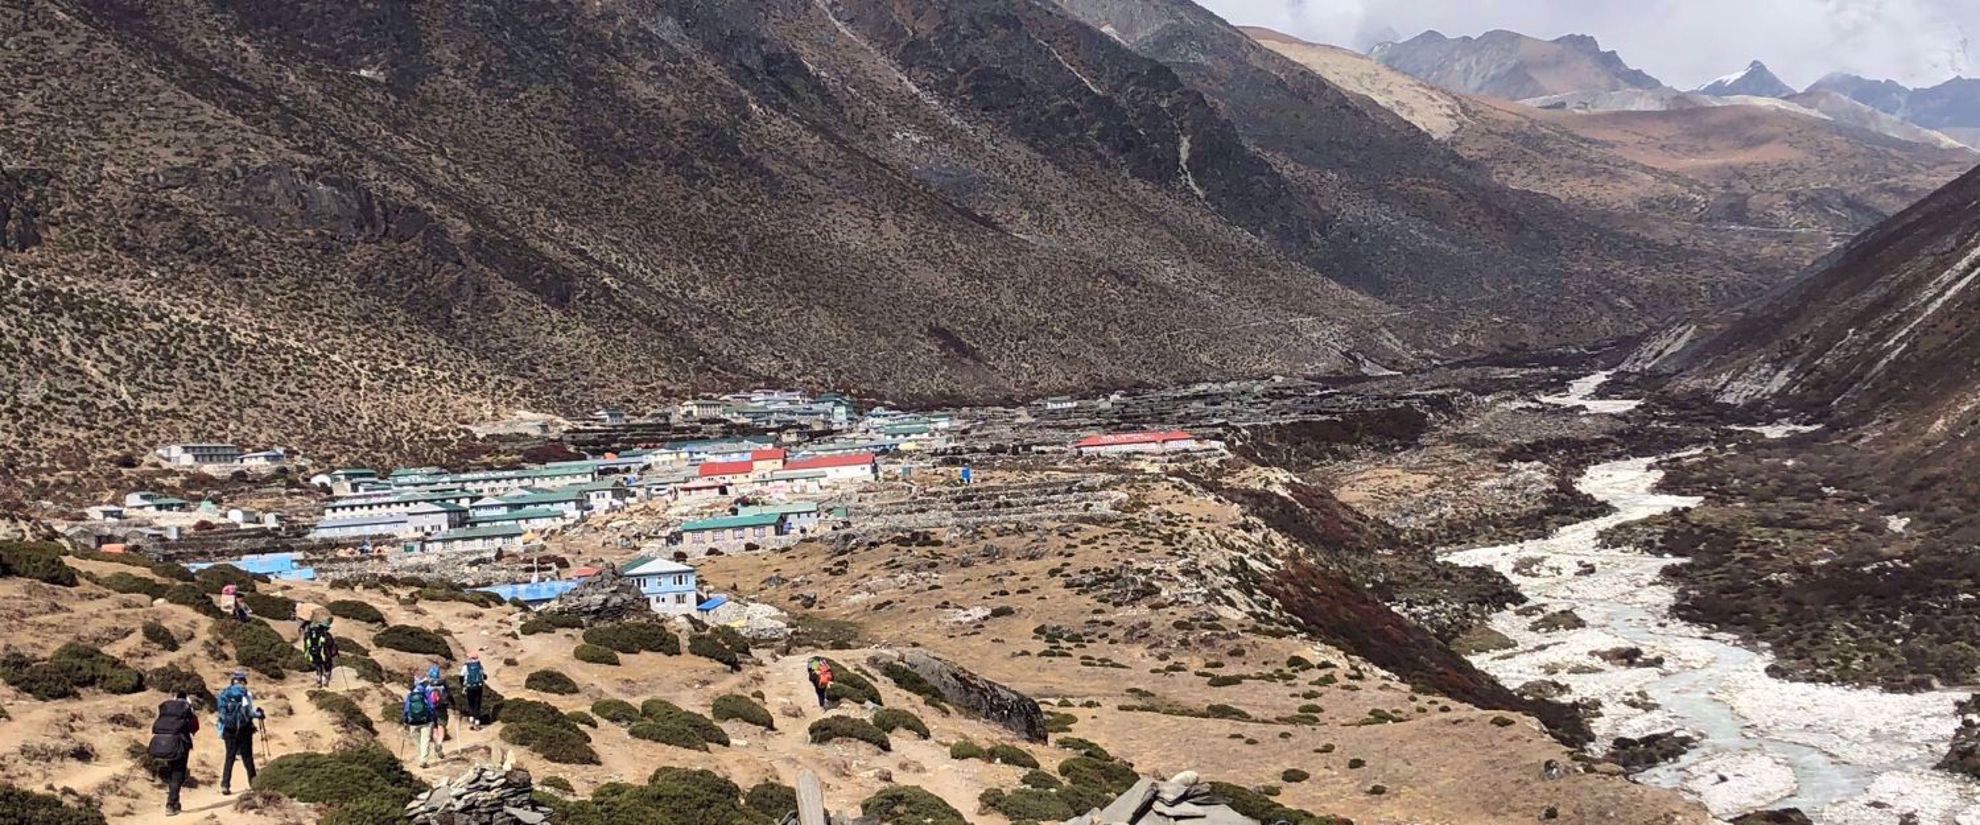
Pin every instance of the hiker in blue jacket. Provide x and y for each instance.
(474, 678)
(418, 716)
(237, 718)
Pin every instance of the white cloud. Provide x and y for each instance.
(1683, 42)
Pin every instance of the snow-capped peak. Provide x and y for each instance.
(1756, 80)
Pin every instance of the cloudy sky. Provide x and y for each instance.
(1685, 43)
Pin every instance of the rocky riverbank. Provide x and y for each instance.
(1847, 756)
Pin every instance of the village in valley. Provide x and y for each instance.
(650, 496)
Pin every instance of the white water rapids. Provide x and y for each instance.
(1845, 756)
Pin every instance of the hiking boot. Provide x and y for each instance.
(226, 791)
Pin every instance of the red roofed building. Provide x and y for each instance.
(767, 460)
(726, 470)
(849, 467)
(1116, 443)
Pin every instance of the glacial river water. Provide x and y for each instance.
(1844, 756)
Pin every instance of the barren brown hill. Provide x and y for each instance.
(359, 225)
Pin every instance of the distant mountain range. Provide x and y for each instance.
(1512, 66)
(1711, 172)
(1574, 72)
(1952, 107)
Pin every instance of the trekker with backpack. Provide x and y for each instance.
(418, 717)
(237, 716)
(820, 672)
(474, 677)
(171, 745)
(442, 701)
(321, 647)
(232, 604)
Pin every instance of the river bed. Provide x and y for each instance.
(1844, 756)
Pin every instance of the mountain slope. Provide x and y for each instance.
(1480, 255)
(1952, 107)
(361, 227)
(1883, 333)
(1757, 80)
(1512, 66)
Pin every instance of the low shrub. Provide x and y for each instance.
(661, 710)
(73, 667)
(356, 611)
(40, 562)
(1263, 808)
(367, 778)
(122, 582)
(635, 637)
(349, 717)
(1083, 747)
(550, 623)
(269, 605)
(1104, 775)
(29, 808)
(617, 711)
(581, 718)
(1294, 775)
(594, 655)
(848, 685)
(190, 595)
(771, 799)
(847, 727)
(259, 648)
(710, 646)
(667, 732)
(552, 682)
(563, 744)
(1012, 755)
(216, 578)
(671, 796)
(557, 783)
(171, 680)
(965, 749)
(741, 709)
(893, 719)
(347, 646)
(532, 712)
(367, 668)
(409, 639)
(160, 636)
(1030, 804)
(909, 805)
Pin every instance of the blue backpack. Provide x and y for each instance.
(233, 707)
(475, 677)
(419, 711)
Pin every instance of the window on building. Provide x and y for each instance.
(680, 598)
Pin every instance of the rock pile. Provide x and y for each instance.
(483, 796)
(602, 599)
(1185, 798)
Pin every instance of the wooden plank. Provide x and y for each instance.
(810, 800)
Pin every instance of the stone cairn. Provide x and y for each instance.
(482, 796)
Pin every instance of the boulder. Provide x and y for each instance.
(974, 694)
